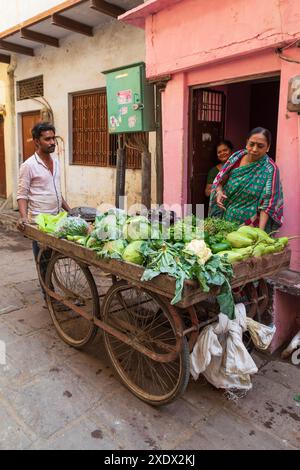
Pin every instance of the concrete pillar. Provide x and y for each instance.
(288, 158)
(287, 307)
(175, 140)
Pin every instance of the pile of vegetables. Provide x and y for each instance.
(249, 242)
(188, 249)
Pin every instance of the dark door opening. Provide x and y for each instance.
(2, 160)
(229, 112)
(208, 128)
(264, 102)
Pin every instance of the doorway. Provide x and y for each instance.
(227, 112)
(29, 120)
(208, 121)
(2, 160)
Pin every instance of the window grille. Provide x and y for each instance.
(30, 88)
(210, 106)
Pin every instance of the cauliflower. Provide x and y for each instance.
(200, 249)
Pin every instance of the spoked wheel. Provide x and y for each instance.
(78, 304)
(145, 320)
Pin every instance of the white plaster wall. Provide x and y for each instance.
(76, 66)
(13, 12)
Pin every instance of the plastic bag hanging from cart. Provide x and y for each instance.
(220, 354)
(261, 335)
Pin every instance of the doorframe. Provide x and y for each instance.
(246, 78)
(20, 132)
(190, 133)
(2, 122)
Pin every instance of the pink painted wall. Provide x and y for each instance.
(175, 138)
(238, 113)
(195, 32)
(286, 316)
(288, 157)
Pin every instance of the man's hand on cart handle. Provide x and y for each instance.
(22, 222)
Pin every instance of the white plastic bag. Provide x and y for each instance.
(261, 335)
(206, 347)
(220, 353)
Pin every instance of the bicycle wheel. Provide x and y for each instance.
(75, 285)
(145, 319)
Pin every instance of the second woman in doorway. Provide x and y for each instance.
(224, 150)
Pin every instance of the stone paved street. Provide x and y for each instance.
(55, 397)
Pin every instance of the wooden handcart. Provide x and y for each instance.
(147, 339)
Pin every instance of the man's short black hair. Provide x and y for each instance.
(40, 127)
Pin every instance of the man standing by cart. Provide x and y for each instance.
(39, 189)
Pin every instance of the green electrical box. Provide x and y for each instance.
(130, 100)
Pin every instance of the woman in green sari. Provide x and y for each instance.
(248, 189)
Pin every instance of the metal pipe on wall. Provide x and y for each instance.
(121, 173)
(146, 178)
(159, 145)
(13, 144)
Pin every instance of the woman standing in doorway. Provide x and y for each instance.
(248, 189)
(224, 150)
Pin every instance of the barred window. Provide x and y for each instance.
(30, 88)
(92, 144)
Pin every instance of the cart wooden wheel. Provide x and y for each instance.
(72, 299)
(143, 316)
(264, 298)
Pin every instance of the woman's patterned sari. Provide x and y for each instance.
(249, 189)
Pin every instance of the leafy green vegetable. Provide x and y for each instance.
(133, 253)
(113, 249)
(71, 226)
(119, 214)
(108, 228)
(215, 225)
(164, 258)
(47, 223)
(186, 230)
(137, 228)
(173, 260)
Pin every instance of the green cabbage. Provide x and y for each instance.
(137, 228)
(113, 249)
(71, 226)
(133, 253)
(108, 228)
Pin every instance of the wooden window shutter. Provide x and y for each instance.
(90, 136)
(92, 144)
